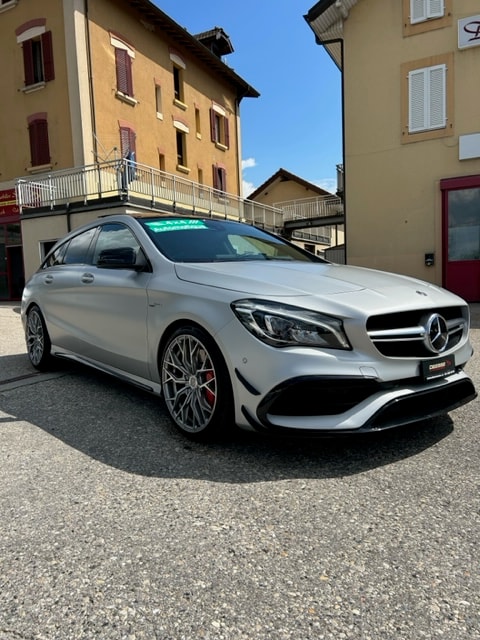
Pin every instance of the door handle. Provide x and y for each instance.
(48, 279)
(87, 278)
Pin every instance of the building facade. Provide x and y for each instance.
(411, 134)
(92, 82)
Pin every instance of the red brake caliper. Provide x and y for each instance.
(209, 395)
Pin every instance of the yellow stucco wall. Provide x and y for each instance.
(152, 64)
(392, 190)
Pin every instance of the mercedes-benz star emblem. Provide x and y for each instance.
(436, 333)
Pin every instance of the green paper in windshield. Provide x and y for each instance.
(159, 226)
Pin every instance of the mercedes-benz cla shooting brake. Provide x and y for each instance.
(231, 324)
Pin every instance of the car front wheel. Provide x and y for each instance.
(195, 384)
(38, 340)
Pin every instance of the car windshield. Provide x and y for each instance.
(201, 240)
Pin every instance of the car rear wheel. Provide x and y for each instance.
(195, 384)
(38, 340)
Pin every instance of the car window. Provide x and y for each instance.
(199, 240)
(77, 248)
(115, 236)
(56, 257)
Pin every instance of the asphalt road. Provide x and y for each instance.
(113, 526)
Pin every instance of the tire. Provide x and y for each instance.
(37, 339)
(196, 386)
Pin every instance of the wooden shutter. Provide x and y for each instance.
(227, 132)
(127, 141)
(435, 8)
(427, 98)
(213, 134)
(39, 145)
(47, 51)
(28, 62)
(124, 72)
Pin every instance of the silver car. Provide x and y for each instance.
(233, 325)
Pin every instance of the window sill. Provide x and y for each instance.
(199, 136)
(40, 168)
(8, 5)
(127, 99)
(159, 115)
(180, 104)
(30, 88)
(221, 146)
(182, 168)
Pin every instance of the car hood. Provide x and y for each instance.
(354, 286)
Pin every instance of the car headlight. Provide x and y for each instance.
(282, 325)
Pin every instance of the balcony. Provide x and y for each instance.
(125, 182)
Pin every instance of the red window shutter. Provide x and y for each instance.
(227, 133)
(39, 145)
(127, 141)
(47, 50)
(124, 72)
(28, 62)
(213, 135)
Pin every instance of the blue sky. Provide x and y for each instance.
(295, 124)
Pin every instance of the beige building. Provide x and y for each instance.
(91, 84)
(312, 217)
(411, 101)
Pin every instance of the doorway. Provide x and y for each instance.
(461, 236)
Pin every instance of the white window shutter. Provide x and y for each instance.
(437, 87)
(421, 10)
(418, 11)
(416, 100)
(435, 8)
(427, 99)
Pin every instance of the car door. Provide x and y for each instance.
(113, 302)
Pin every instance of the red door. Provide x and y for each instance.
(461, 236)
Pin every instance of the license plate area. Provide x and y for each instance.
(438, 368)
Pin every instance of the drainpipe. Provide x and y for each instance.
(90, 82)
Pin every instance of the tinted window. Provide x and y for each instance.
(114, 236)
(77, 249)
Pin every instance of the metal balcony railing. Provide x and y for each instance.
(126, 180)
(306, 208)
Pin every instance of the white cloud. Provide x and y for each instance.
(248, 163)
(248, 188)
(329, 184)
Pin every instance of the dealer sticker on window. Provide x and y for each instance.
(438, 368)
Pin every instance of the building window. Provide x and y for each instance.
(178, 83)
(198, 127)
(219, 127)
(39, 145)
(425, 15)
(127, 141)
(161, 162)
(421, 10)
(37, 57)
(181, 149)
(219, 178)
(427, 98)
(158, 101)
(427, 103)
(123, 64)
(124, 54)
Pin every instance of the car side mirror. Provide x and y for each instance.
(121, 258)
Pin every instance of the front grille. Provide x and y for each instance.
(403, 335)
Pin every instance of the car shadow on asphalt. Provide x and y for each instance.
(128, 429)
